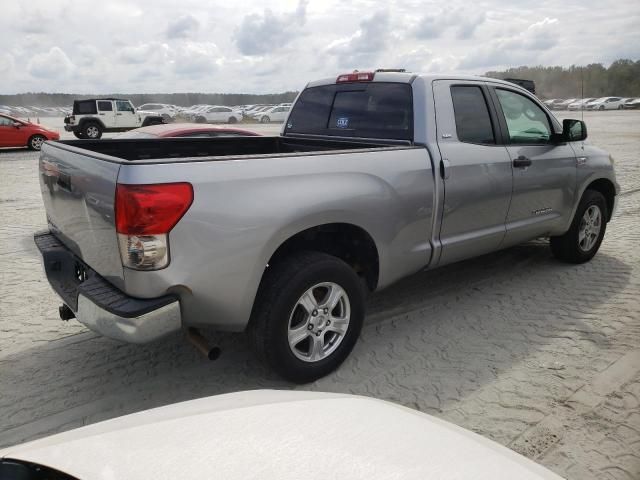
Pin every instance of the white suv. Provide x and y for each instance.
(218, 114)
(90, 118)
(167, 112)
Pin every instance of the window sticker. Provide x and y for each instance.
(342, 122)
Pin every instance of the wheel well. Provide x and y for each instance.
(606, 188)
(349, 243)
(97, 121)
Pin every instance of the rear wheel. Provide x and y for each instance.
(620, 107)
(36, 141)
(265, 119)
(601, 107)
(201, 119)
(233, 120)
(583, 239)
(307, 316)
(92, 131)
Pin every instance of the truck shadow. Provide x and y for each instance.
(428, 342)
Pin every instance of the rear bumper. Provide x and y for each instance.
(101, 306)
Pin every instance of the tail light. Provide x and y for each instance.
(356, 77)
(145, 214)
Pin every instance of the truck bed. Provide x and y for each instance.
(174, 149)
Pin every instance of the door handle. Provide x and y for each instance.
(118, 114)
(521, 162)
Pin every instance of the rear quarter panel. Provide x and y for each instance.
(244, 209)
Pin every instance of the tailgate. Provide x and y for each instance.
(78, 192)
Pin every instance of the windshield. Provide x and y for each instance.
(368, 110)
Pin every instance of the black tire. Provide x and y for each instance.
(265, 119)
(282, 287)
(91, 131)
(233, 120)
(601, 107)
(567, 247)
(166, 118)
(201, 119)
(620, 107)
(78, 135)
(35, 142)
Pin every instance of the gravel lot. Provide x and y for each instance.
(540, 356)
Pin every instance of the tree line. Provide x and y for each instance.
(621, 78)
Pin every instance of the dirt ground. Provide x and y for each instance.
(537, 355)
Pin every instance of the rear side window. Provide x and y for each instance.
(369, 110)
(473, 122)
(105, 106)
(85, 107)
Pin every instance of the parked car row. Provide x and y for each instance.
(601, 103)
(32, 111)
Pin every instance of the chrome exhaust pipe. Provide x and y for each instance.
(201, 344)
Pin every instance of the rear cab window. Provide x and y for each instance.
(473, 121)
(360, 109)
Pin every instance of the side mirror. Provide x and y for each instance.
(574, 130)
(17, 124)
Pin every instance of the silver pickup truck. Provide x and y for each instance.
(375, 176)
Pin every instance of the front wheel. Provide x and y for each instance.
(233, 120)
(307, 316)
(265, 119)
(583, 239)
(601, 107)
(35, 142)
(78, 135)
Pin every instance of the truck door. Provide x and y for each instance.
(126, 117)
(544, 170)
(476, 170)
(106, 113)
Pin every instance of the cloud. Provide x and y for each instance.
(365, 46)
(463, 21)
(184, 26)
(518, 49)
(195, 59)
(137, 54)
(259, 34)
(7, 63)
(51, 65)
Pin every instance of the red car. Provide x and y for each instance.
(185, 130)
(16, 133)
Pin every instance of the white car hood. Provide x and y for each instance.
(277, 435)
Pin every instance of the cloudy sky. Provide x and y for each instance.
(251, 46)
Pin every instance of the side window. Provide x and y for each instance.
(526, 121)
(224, 109)
(105, 106)
(123, 106)
(5, 122)
(473, 122)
